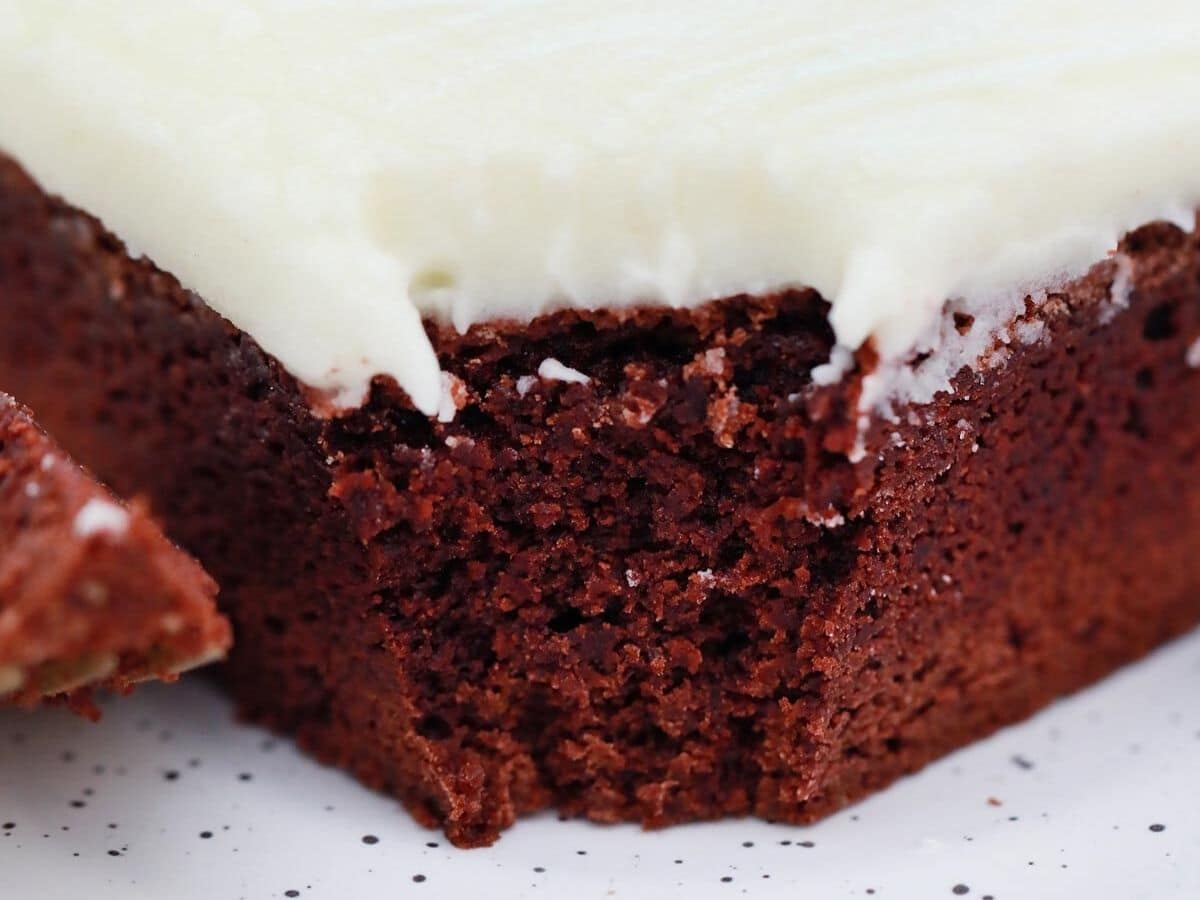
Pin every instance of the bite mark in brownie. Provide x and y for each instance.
(91, 593)
(661, 594)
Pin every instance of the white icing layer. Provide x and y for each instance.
(324, 173)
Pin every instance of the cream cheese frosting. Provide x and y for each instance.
(327, 173)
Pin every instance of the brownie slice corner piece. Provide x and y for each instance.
(91, 591)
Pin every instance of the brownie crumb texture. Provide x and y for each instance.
(631, 571)
(91, 593)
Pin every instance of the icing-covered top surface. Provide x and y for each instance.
(326, 173)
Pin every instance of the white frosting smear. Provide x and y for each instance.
(326, 172)
(552, 370)
(100, 517)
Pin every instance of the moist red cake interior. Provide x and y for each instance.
(91, 592)
(665, 594)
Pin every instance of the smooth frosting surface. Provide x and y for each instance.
(325, 173)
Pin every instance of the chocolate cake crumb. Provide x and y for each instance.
(92, 593)
(673, 592)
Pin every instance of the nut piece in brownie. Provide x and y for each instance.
(91, 592)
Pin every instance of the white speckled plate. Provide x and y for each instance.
(1098, 797)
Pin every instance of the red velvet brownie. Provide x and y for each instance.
(659, 413)
(91, 593)
(648, 567)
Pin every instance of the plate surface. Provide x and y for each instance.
(1098, 797)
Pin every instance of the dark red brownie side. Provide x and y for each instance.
(91, 592)
(164, 399)
(662, 595)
